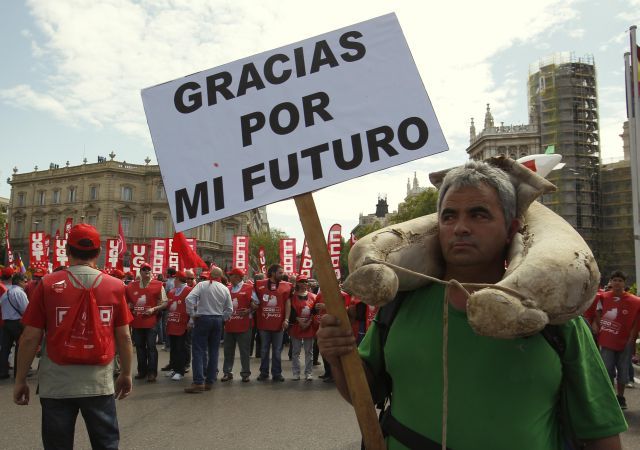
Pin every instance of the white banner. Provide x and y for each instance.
(158, 255)
(290, 121)
(240, 252)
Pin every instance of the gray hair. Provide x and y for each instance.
(475, 173)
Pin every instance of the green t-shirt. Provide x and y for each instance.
(502, 392)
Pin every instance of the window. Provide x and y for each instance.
(160, 194)
(126, 225)
(228, 235)
(159, 226)
(19, 229)
(55, 198)
(22, 197)
(126, 193)
(40, 198)
(207, 232)
(71, 198)
(93, 193)
(53, 227)
(93, 220)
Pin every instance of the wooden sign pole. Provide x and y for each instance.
(351, 363)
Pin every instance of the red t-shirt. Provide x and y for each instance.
(303, 308)
(177, 317)
(140, 299)
(320, 313)
(618, 316)
(55, 295)
(273, 299)
(241, 302)
(590, 313)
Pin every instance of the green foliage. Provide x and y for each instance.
(366, 229)
(419, 205)
(633, 289)
(270, 240)
(344, 257)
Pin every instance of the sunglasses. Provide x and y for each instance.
(145, 270)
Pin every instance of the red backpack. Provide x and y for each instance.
(81, 337)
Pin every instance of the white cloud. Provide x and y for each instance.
(576, 33)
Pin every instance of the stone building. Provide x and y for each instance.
(100, 193)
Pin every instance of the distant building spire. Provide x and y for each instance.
(415, 181)
(382, 208)
(472, 132)
(488, 118)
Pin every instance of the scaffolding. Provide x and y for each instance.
(563, 105)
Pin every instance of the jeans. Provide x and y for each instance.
(146, 351)
(617, 363)
(10, 334)
(244, 341)
(178, 353)
(296, 346)
(207, 332)
(59, 421)
(271, 340)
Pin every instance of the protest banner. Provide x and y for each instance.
(138, 256)
(288, 255)
(334, 246)
(159, 255)
(37, 257)
(306, 263)
(287, 122)
(240, 252)
(262, 259)
(60, 253)
(112, 254)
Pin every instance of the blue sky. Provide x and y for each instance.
(73, 70)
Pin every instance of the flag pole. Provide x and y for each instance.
(351, 363)
(631, 74)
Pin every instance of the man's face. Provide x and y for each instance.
(617, 285)
(235, 279)
(302, 287)
(472, 229)
(145, 275)
(277, 276)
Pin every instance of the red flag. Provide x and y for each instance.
(122, 243)
(8, 244)
(57, 234)
(188, 257)
(67, 227)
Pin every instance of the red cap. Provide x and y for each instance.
(236, 271)
(204, 274)
(302, 278)
(84, 237)
(39, 273)
(180, 274)
(145, 265)
(7, 272)
(117, 273)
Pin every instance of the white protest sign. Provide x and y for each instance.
(290, 121)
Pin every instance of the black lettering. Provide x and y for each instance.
(218, 82)
(250, 123)
(298, 54)
(249, 78)
(347, 43)
(200, 196)
(249, 181)
(403, 135)
(294, 174)
(195, 98)
(314, 154)
(338, 153)
(274, 118)
(322, 55)
(383, 143)
(218, 193)
(320, 108)
(268, 69)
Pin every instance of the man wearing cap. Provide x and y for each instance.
(66, 388)
(145, 298)
(209, 304)
(35, 279)
(238, 328)
(301, 330)
(13, 304)
(177, 320)
(274, 308)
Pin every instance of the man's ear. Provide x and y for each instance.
(515, 226)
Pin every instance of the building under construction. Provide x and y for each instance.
(563, 104)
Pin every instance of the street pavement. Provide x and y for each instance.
(265, 415)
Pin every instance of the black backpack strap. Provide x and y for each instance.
(406, 436)
(553, 336)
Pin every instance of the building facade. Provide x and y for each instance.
(102, 193)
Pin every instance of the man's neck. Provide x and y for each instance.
(475, 275)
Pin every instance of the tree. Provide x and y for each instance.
(419, 205)
(270, 240)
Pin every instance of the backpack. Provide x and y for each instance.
(382, 388)
(81, 337)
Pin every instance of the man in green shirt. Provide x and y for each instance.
(502, 394)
